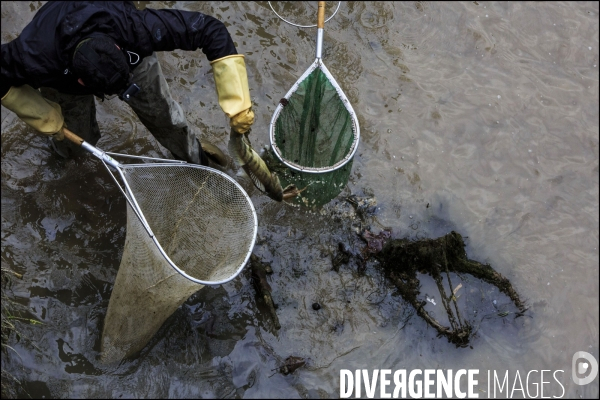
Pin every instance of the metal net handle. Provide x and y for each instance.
(304, 26)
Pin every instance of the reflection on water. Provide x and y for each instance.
(480, 117)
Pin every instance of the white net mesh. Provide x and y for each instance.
(205, 224)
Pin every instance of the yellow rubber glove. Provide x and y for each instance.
(243, 121)
(43, 115)
(231, 81)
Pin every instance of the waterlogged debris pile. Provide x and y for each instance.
(291, 364)
(401, 259)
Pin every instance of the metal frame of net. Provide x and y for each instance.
(314, 128)
(201, 220)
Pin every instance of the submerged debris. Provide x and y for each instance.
(291, 364)
(402, 259)
(364, 206)
(375, 242)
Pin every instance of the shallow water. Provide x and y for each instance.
(479, 117)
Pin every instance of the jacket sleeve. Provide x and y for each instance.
(176, 29)
(12, 70)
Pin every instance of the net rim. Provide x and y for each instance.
(318, 63)
(144, 222)
(304, 26)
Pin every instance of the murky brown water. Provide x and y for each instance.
(480, 117)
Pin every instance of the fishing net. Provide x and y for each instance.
(202, 228)
(316, 189)
(314, 131)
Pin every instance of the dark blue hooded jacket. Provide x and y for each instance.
(41, 55)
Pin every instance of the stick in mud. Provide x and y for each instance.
(263, 289)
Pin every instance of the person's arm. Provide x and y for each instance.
(168, 30)
(42, 115)
(176, 29)
(4, 87)
(12, 71)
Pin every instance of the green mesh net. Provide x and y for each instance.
(319, 189)
(315, 132)
(314, 129)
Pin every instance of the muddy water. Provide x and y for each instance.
(479, 117)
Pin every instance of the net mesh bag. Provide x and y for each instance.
(314, 129)
(315, 132)
(319, 189)
(205, 226)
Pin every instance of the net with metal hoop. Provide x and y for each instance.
(204, 227)
(314, 127)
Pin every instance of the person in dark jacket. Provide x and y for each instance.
(73, 51)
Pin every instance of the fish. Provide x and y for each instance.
(291, 191)
(214, 153)
(244, 156)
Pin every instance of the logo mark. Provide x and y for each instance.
(584, 363)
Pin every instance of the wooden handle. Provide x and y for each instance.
(321, 15)
(73, 137)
